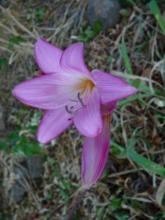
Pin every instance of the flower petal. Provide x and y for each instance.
(108, 108)
(94, 156)
(112, 88)
(53, 123)
(45, 92)
(88, 119)
(73, 59)
(47, 56)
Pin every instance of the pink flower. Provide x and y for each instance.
(69, 92)
(96, 149)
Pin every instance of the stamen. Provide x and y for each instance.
(69, 110)
(80, 99)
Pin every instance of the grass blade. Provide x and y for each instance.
(147, 164)
(156, 12)
(124, 54)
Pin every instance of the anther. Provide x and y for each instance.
(69, 110)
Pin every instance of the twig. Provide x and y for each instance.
(124, 172)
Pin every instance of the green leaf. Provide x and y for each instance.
(147, 164)
(14, 40)
(4, 146)
(3, 63)
(116, 203)
(118, 151)
(27, 147)
(97, 27)
(39, 14)
(156, 12)
(90, 32)
(124, 54)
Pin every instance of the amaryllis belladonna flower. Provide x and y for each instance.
(96, 149)
(69, 92)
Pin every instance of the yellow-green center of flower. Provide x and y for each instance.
(86, 84)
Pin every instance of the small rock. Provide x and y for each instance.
(18, 188)
(17, 192)
(35, 166)
(105, 11)
(30, 167)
